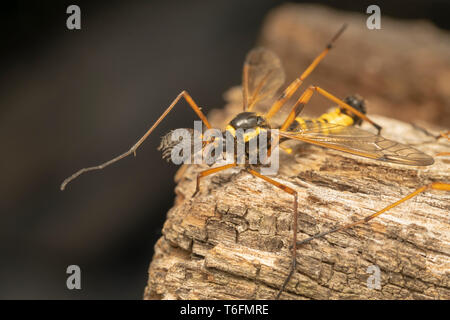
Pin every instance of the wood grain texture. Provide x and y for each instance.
(232, 240)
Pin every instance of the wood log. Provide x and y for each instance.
(231, 241)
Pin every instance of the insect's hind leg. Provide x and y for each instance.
(431, 186)
(442, 134)
(306, 97)
(133, 149)
(445, 135)
(442, 154)
(294, 226)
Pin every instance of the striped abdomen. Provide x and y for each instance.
(335, 116)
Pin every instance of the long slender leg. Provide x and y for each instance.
(209, 172)
(442, 154)
(292, 88)
(431, 186)
(294, 226)
(297, 108)
(442, 134)
(445, 134)
(133, 149)
(245, 86)
(306, 96)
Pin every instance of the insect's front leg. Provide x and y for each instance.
(133, 149)
(209, 172)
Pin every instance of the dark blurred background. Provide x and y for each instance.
(70, 99)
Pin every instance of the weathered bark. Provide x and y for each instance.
(232, 240)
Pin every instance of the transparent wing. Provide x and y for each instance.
(360, 142)
(263, 76)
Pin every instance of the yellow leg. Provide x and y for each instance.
(209, 172)
(294, 225)
(133, 149)
(445, 135)
(442, 154)
(297, 108)
(431, 186)
(442, 134)
(292, 88)
(306, 96)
